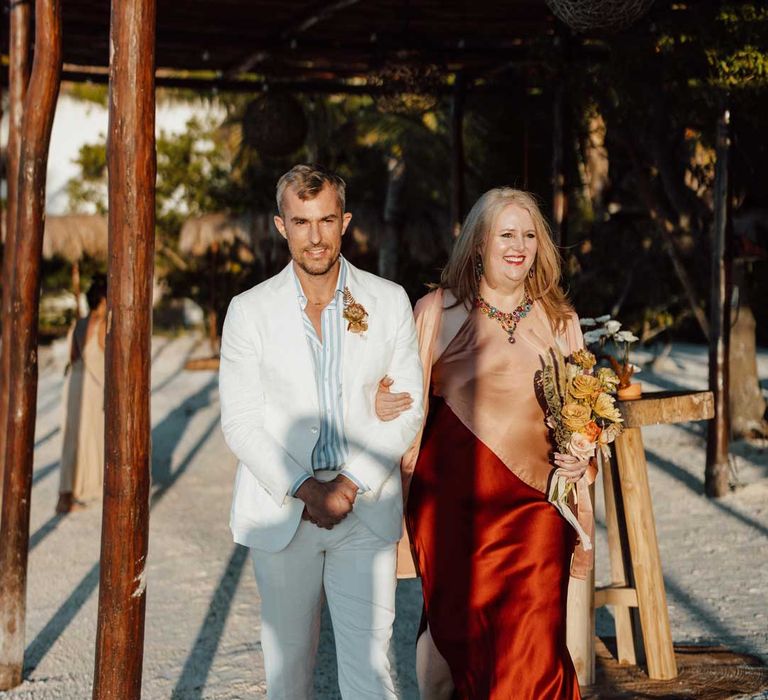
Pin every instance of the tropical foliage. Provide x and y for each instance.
(641, 115)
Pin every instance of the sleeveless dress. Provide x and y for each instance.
(493, 554)
(82, 454)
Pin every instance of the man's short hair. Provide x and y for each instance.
(307, 181)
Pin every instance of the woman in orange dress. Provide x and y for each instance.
(492, 552)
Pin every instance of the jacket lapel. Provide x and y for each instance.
(357, 345)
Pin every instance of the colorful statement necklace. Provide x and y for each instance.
(508, 321)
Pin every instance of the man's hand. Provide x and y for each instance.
(326, 504)
(388, 405)
(347, 487)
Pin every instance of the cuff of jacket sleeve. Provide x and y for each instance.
(360, 485)
(297, 484)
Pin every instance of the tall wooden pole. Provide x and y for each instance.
(37, 122)
(18, 76)
(124, 534)
(717, 470)
(390, 255)
(558, 163)
(3, 324)
(457, 155)
(562, 46)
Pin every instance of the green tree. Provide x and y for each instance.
(659, 96)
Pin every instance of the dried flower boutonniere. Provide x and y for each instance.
(354, 313)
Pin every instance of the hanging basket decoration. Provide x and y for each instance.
(275, 125)
(598, 15)
(406, 88)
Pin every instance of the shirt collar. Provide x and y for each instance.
(341, 283)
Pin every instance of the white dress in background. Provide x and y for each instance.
(82, 454)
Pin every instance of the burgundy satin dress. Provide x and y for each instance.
(493, 554)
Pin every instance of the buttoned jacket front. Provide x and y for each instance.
(270, 413)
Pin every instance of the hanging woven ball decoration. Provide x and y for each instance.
(407, 88)
(274, 124)
(598, 15)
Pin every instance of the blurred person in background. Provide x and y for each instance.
(82, 453)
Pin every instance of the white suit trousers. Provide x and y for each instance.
(356, 569)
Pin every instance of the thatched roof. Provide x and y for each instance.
(427, 235)
(222, 229)
(73, 236)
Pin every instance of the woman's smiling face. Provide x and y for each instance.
(510, 248)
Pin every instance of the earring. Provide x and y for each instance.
(530, 273)
(478, 267)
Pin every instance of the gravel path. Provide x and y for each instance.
(203, 608)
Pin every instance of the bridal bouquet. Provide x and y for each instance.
(582, 414)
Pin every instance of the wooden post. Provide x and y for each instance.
(18, 76)
(558, 167)
(562, 47)
(526, 170)
(213, 318)
(389, 251)
(76, 286)
(3, 323)
(637, 584)
(37, 121)
(627, 632)
(644, 548)
(457, 155)
(4, 318)
(131, 162)
(580, 627)
(718, 437)
(580, 623)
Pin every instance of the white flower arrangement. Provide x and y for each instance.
(605, 329)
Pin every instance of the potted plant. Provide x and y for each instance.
(604, 330)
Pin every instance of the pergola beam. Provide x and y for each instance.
(301, 85)
(131, 162)
(37, 122)
(316, 59)
(320, 13)
(341, 53)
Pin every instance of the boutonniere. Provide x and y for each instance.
(354, 313)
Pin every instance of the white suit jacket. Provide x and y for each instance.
(270, 413)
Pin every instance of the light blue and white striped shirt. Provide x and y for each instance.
(332, 448)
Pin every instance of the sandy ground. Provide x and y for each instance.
(202, 626)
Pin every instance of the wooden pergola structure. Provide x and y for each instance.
(320, 46)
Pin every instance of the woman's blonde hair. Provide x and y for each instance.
(459, 275)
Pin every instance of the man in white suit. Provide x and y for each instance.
(318, 493)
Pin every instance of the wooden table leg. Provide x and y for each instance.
(580, 623)
(580, 627)
(646, 562)
(615, 523)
